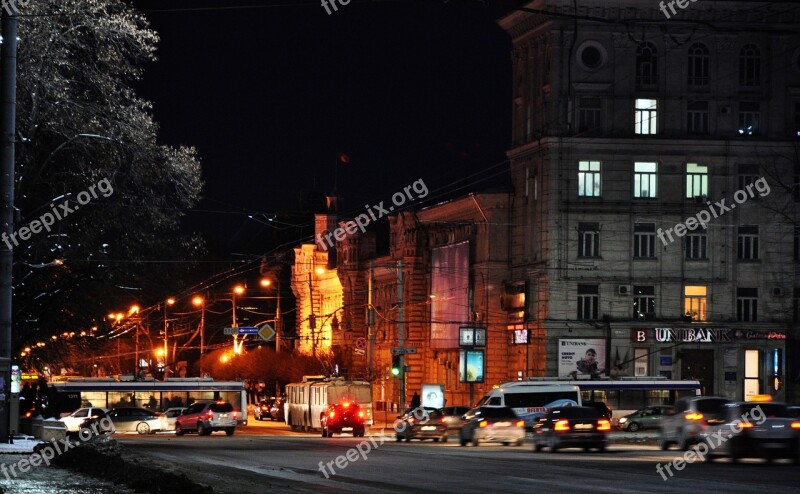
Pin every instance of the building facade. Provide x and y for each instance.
(654, 165)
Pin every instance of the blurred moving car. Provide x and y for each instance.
(492, 424)
(74, 420)
(261, 411)
(794, 411)
(753, 430)
(601, 407)
(276, 409)
(691, 418)
(130, 419)
(205, 417)
(453, 417)
(168, 418)
(646, 418)
(571, 427)
(343, 417)
(421, 423)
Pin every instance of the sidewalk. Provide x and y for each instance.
(22, 445)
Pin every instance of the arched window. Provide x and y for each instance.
(646, 65)
(750, 66)
(698, 65)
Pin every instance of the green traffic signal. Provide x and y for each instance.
(396, 368)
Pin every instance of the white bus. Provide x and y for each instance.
(308, 400)
(530, 401)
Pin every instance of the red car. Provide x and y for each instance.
(343, 417)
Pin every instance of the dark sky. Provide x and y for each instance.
(270, 96)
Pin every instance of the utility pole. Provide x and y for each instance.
(8, 124)
(401, 336)
(278, 320)
(370, 324)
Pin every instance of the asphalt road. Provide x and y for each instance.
(267, 457)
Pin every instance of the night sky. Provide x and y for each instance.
(271, 96)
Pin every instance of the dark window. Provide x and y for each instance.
(697, 117)
(750, 66)
(698, 65)
(748, 174)
(646, 65)
(588, 239)
(749, 118)
(747, 304)
(496, 412)
(644, 301)
(644, 240)
(588, 301)
(591, 57)
(525, 400)
(589, 114)
(747, 243)
(696, 246)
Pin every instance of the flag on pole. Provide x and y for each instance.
(344, 159)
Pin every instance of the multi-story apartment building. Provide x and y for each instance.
(654, 165)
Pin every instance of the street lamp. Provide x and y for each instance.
(199, 301)
(237, 290)
(168, 302)
(266, 283)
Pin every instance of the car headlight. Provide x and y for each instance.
(623, 420)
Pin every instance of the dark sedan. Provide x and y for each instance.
(421, 423)
(571, 427)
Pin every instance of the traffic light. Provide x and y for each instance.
(397, 368)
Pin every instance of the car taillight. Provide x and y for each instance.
(520, 423)
(603, 425)
(444, 420)
(410, 420)
(562, 425)
(361, 413)
(483, 423)
(331, 414)
(210, 415)
(795, 425)
(748, 425)
(694, 416)
(346, 404)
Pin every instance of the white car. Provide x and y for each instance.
(130, 419)
(169, 416)
(74, 420)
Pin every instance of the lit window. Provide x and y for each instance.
(694, 302)
(645, 180)
(696, 180)
(646, 116)
(589, 179)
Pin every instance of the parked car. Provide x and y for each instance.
(453, 417)
(205, 417)
(276, 409)
(261, 411)
(753, 430)
(794, 411)
(571, 427)
(492, 424)
(130, 419)
(343, 417)
(601, 407)
(691, 418)
(75, 420)
(646, 418)
(169, 416)
(421, 423)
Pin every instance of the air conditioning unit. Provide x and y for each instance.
(777, 292)
(724, 110)
(624, 289)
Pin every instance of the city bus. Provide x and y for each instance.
(532, 400)
(306, 401)
(627, 395)
(73, 393)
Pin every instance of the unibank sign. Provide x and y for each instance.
(701, 335)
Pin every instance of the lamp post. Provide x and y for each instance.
(134, 310)
(168, 302)
(266, 283)
(199, 301)
(237, 346)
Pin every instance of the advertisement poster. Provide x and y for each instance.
(433, 395)
(470, 368)
(449, 293)
(581, 357)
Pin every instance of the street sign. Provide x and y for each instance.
(230, 331)
(400, 350)
(361, 343)
(358, 351)
(266, 332)
(241, 330)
